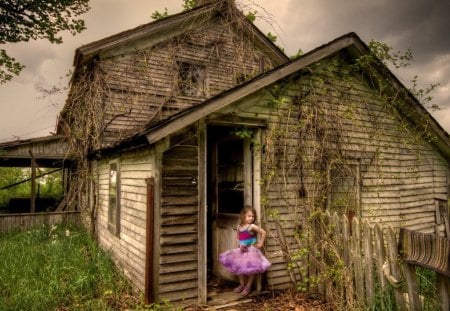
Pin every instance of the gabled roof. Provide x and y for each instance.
(349, 42)
(174, 25)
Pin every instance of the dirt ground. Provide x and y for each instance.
(283, 301)
(271, 301)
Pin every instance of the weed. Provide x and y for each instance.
(58, 267)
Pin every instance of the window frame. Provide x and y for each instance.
(355, 166)
(114, 222)
(187, 87)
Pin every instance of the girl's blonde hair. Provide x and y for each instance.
(244, 211)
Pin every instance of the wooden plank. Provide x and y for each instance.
(380, 255)
(368, 263)
(412, 287)
(202, 245)
(357, 261)
(178, 210)
(443, 291)
(174, 277)
(336, 224)
(178, 267)
(174, 200)
(179, 220)
(177, 239)
(427, 250)
(179, 229)
(177, 258)
(346, 241)
(395, 268)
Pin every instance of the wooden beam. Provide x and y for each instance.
(202, 215)
(149, 286)
(33, 187)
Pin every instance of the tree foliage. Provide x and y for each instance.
(187, 5)
(23, 20)
(50, 186)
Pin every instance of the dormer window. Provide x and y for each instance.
(191, 80)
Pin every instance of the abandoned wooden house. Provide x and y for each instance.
(179, 123)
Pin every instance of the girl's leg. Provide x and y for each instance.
(241, 286)
(250, 280)
(248, 285)
(242, 280)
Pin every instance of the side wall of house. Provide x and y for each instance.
(399, 175)
(128, 247)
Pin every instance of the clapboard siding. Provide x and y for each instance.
(142, 86)
(178, 270)
(47, 147)
(127, 249)
(401, 174)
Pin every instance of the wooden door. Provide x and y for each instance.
(231, 188)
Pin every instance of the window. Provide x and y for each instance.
(191, 80)
(114, 198)
(344, 189)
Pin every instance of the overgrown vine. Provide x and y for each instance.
(311, 164)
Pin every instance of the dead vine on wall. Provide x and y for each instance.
(118, 96)
(313, 163)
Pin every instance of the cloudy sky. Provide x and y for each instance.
(421, 25)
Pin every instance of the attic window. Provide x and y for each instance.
(191, 79)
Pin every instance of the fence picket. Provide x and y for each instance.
(366, 255)
(380, 255)
(394, 267)
(357, 260)
(368, 263)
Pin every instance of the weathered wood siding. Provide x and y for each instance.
(401, 174)
(127, 249)
(143, 85)
(178, 262)
(44, 147)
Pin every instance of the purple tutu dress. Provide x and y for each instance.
(246, 259)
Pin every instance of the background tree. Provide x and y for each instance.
(36, 19)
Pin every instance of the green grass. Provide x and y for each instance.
(58, 268)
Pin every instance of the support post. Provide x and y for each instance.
(149, 289)
(33, 187)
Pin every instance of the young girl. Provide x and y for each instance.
(247, 260)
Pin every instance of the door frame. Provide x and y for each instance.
(203, 234)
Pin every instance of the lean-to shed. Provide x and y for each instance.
(189, 130)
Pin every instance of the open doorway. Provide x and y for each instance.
(230, 180)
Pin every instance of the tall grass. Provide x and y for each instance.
(58, 268)
(426, 281)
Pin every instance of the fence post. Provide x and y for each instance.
(442, 282)
(410, 275)
(395, 269)
(339, 242)
(368, 263)
(443, 287)
(381, 255)
(357, 260)
(413, 288)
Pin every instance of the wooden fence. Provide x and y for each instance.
(382, 257)
(26, 221)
